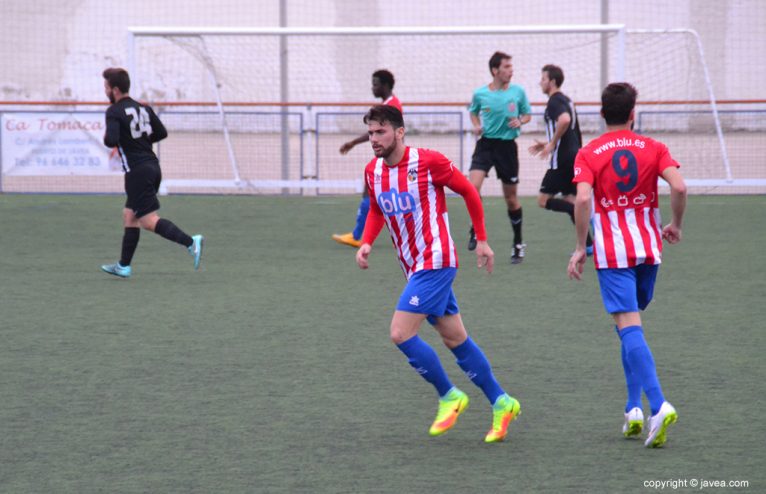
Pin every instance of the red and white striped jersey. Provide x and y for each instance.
(623, 167)
(410, 195)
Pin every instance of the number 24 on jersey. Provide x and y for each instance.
(139, 122)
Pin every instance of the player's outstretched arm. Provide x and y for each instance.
(672, 232)
(536, 148)
(348, 146)
(562, 125)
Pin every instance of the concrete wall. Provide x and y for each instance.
(57, 49)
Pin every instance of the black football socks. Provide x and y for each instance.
(515, 217)
(129, 244)
(561, 206)
(167, 229)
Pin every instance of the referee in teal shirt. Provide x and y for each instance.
(498, 110)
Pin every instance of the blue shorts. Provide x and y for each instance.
(627, 289)
(430, 292)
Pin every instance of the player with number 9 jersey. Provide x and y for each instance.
(616, 177)
(623, 167)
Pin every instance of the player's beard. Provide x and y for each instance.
(386, 152)
(111, 97)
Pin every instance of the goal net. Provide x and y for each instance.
(267, 109)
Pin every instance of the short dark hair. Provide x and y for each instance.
(386, 77)
(617, 101)
(385, 114)
(117, 77)
(555, 74)
(496, 59)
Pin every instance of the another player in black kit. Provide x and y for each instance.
(133, 128)
(564, 140)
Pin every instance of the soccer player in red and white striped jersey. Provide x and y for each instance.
(406, 187)
(623, 168)
(411, 199)
(616, 177)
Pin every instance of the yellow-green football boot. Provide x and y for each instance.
(450, 408)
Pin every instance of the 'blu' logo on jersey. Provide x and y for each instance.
(393, 203)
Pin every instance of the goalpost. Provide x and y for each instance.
(231, 131)
(689, 41)
(171, 63)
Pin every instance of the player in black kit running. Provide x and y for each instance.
(132, 128)
(562, 128)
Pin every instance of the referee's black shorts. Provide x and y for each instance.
(503, 154)
(142, 183)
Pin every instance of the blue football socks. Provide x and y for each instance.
(633, 383)
(361, 217)
(474, 363)
(641, 363)
(426, 362)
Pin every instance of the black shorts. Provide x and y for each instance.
(559, 180)
(141, 185)
(502, 154)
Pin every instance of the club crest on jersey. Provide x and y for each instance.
(412, 174)
(377, 178)
(393, 203)
(512, 107)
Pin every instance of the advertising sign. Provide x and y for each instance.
(48, 143)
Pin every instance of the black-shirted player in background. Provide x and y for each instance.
(564, 140)
(133, 127)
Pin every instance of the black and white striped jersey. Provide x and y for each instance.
(571, 141)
